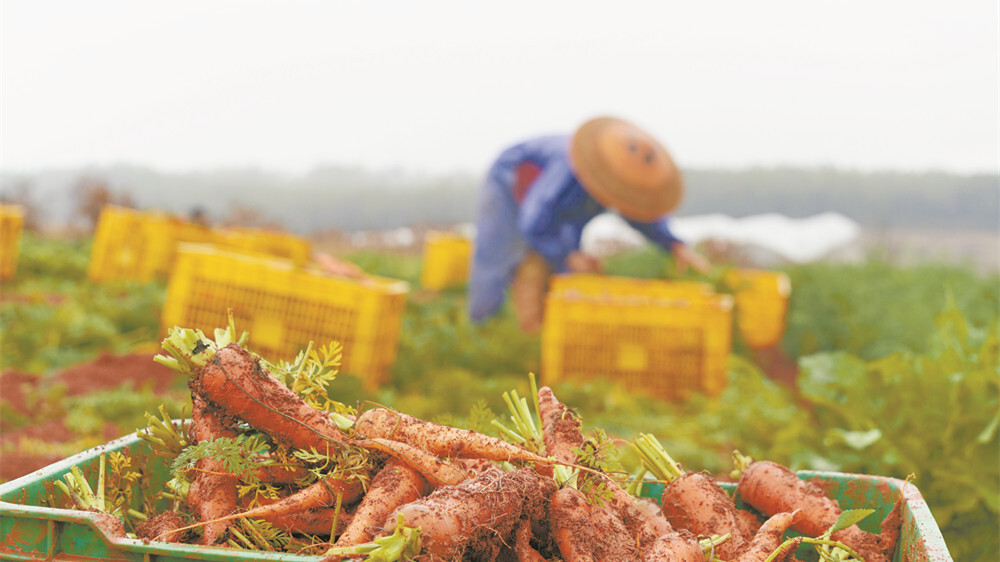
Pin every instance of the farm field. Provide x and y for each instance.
(898, 375)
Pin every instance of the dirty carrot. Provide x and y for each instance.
(394, 485)
(433, 469)
(772, 488)
(437, 439)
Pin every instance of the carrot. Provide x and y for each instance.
(768, 537)
(749, 522)
(212, 495)
(522, 543)
(394, 485)
(435, 470)
(311, 521)
(653, 515)
(694, 501)
(163, 525)
(571, 526)
(583, 531)
(277, 474)
(560, 427)
(675, 546)
(325, 493)
(235, 381)
(772, 488)
(440, 440)
(472, 515)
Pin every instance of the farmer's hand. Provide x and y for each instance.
(582, 262)
(333, 266)
(686, 257)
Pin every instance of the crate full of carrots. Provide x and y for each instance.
(286, 306)
(270, 467)
(667, 338)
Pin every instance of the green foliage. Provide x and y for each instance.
(54, 258)
(933, 414)
(52, 317)
(311, 373)
(235, 453)
(875, 309)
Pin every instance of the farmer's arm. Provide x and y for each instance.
(659, 233)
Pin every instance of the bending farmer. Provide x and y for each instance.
(539, 195)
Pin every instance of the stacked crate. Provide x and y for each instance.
(666, 339)
(446, 260)
(285, 307)
(11, 225)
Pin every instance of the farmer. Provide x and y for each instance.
(539, 195)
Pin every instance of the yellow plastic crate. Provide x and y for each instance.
(661, 338)
(761, 305)
(142, 246)
(137, 245)
(446, 260)
(277, 244)
(284, 307)
(11, 224)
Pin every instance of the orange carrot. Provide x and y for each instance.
(475, 514)
(311, 521)
(394, 485)
(772, 488)
(768, 537)
(437, 439)
(325, 493)
(653, 515)
(164, 525)
(522, 543)
(560, 427)
(435, 470)
(212, 495)
(571, 525)
(695, 502)
(675, 546)
(584, 531)
(236, 382)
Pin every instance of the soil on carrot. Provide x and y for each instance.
(18, 392)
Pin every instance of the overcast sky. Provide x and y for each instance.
(443, 86)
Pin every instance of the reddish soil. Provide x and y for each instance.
(104, 373)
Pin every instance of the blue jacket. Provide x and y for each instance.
(531, 201)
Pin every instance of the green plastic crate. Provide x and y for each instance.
(29, 530)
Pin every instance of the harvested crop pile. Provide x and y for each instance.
(270, 462)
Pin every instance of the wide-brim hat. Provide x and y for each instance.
(625, 168)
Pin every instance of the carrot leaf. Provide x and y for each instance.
(402, 544)
(847, 518)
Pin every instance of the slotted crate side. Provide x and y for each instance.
(445, 260)
(761, 305)
(129, 244)
(667, 348)
(284, 308)
(11, 226)
(276, 244)
(616, 286)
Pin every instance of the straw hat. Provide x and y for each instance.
(624, 168)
